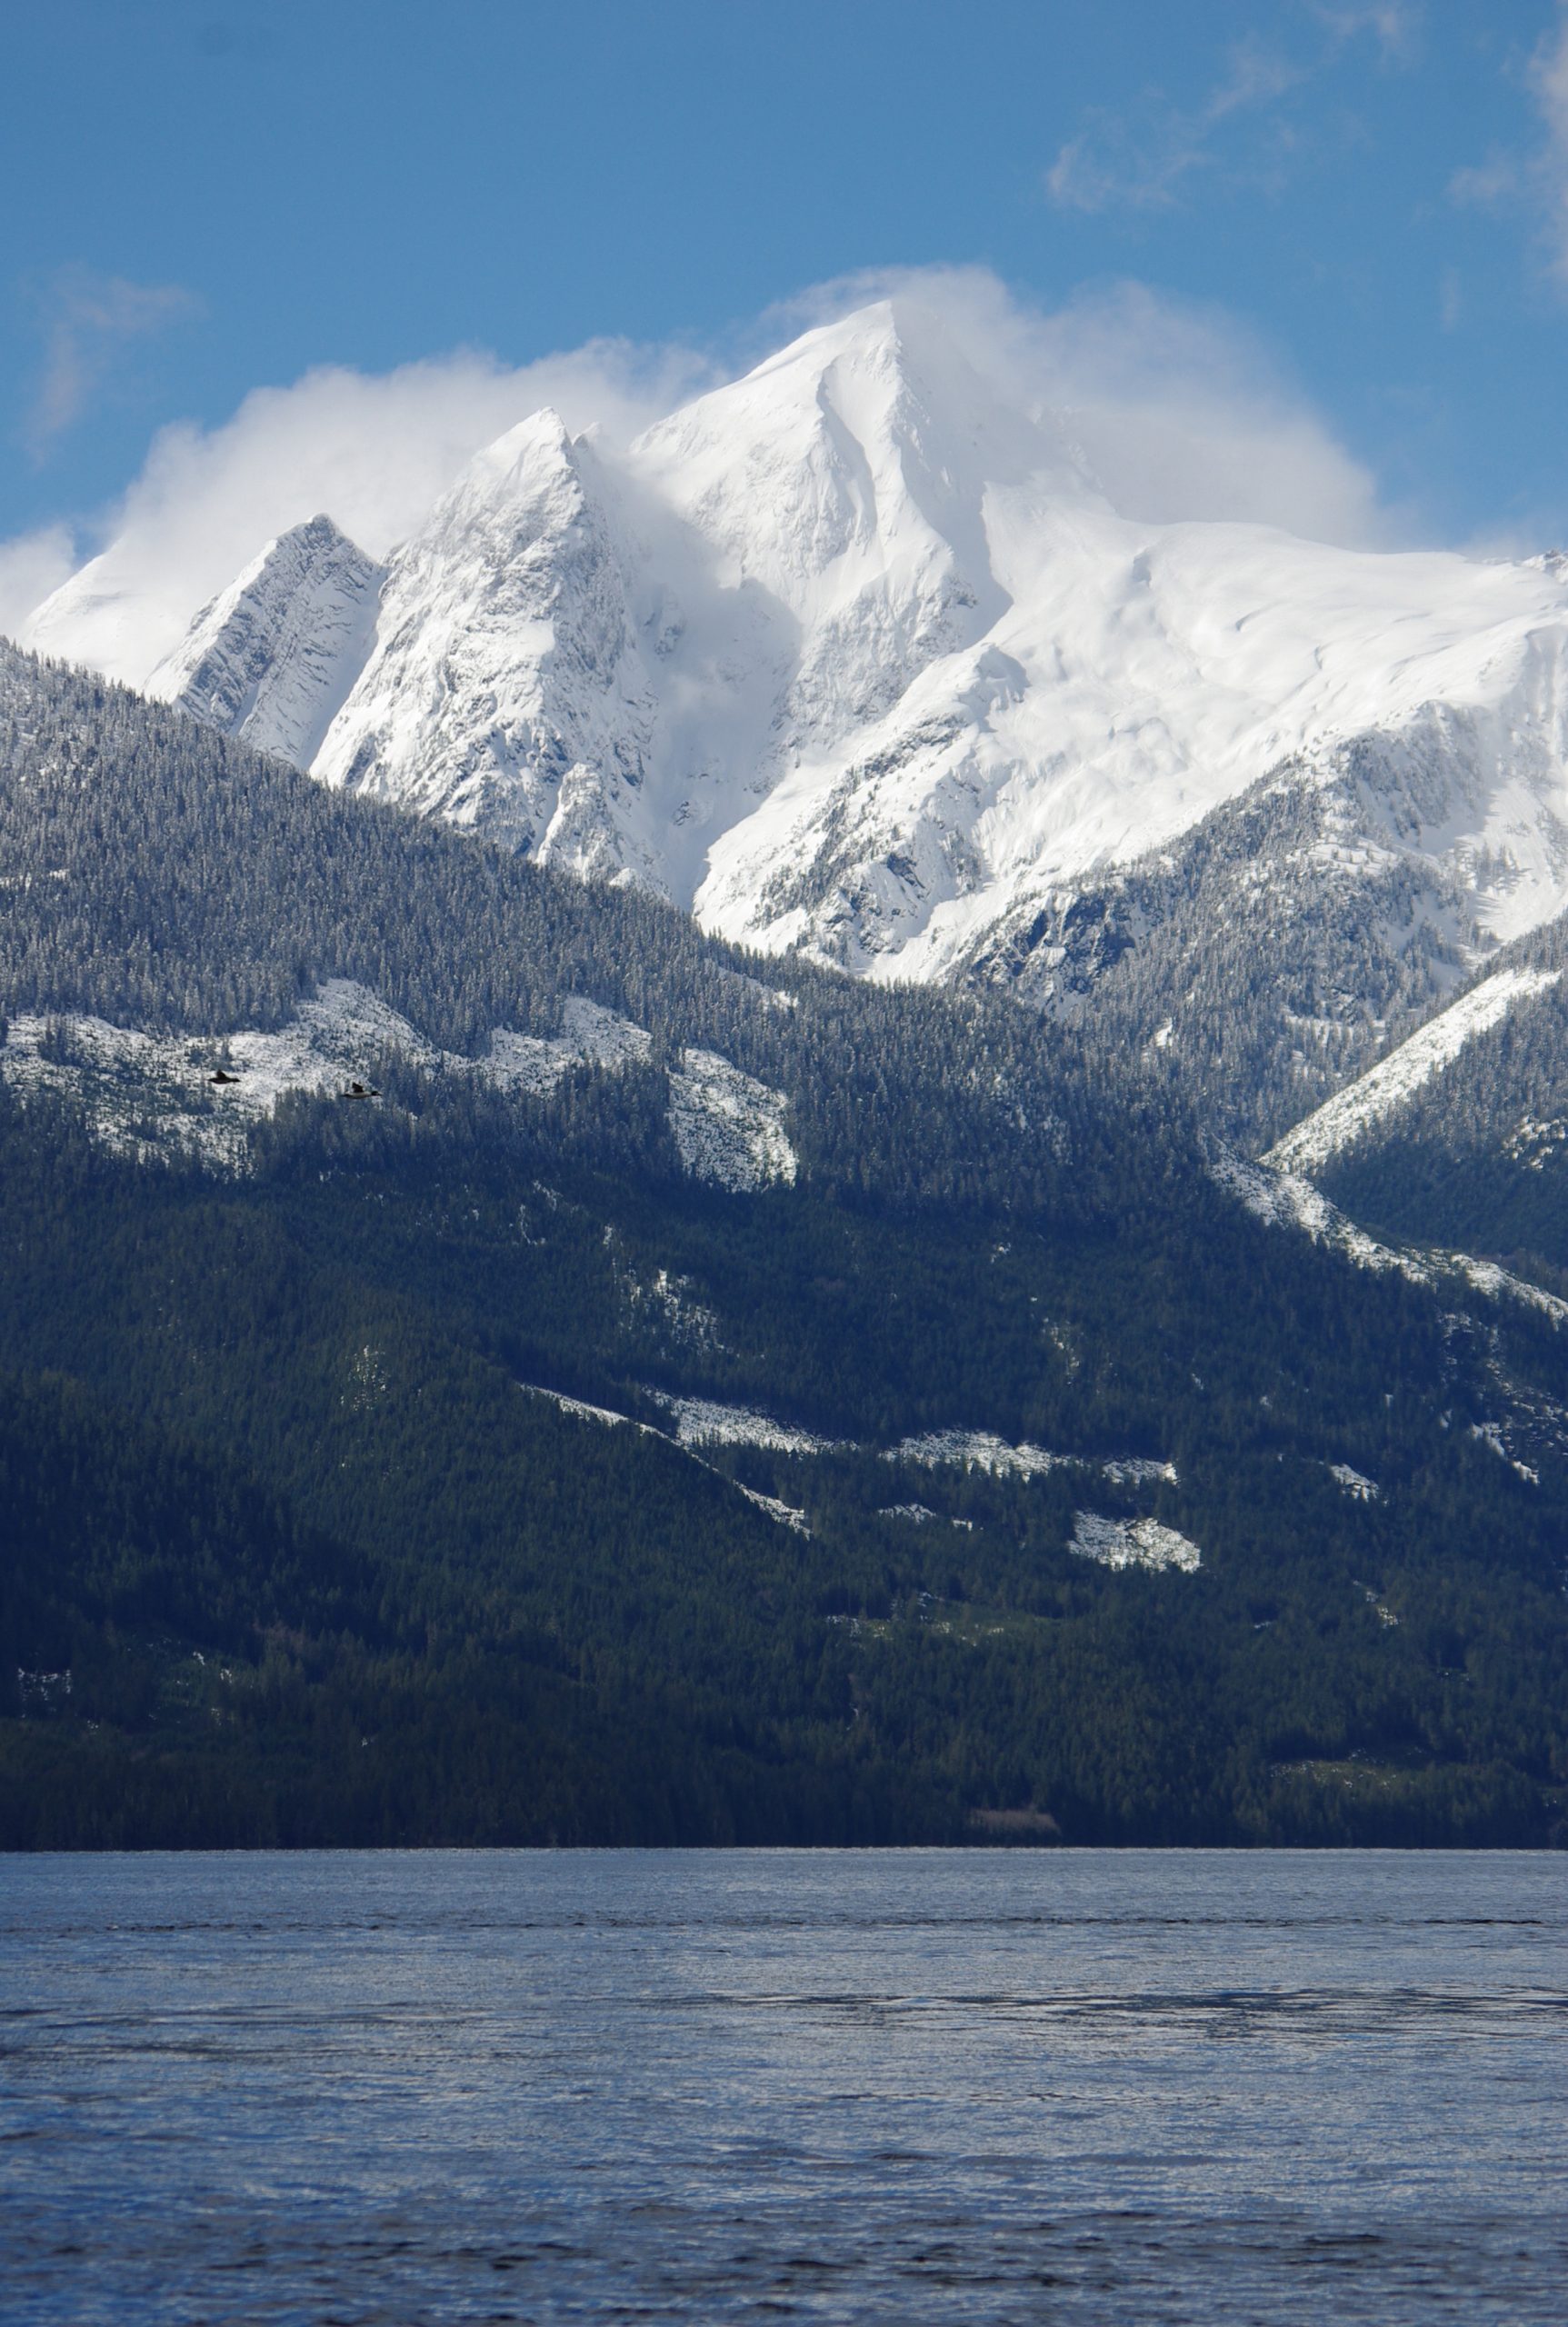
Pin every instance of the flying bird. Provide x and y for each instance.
(223, 1075)
(361, 1091)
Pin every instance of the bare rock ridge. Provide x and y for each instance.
(853, 656)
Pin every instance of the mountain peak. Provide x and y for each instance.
(271, 657)
(540, 440)
(850, 654)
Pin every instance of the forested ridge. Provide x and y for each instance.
(1477, 1155)
(298, 1551)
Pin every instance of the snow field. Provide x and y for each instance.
(702, 1421)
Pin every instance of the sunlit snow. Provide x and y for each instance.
(1132, 1543)
(982, 1450)
(1396, 1078)
(1285, 1200)
(855, 654)
(145, 1095)
(703, 1421)
(1356, 1483)
(729, 1128)
(784, 1513)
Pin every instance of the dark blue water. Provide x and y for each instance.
(974, 2087)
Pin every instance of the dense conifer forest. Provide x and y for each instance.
(318, 1523)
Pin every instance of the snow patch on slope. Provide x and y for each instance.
(784, 1513)
(1285, 1200)
(1396, 1078)
(977, 1450)
(1132, 1543)
(581, 1410)
(981, 1449)
(729, 1127)
(590, 1036)
(147, 1096)
(1355, 1484)
(143, 1097)
(1496, 1436)
(703, 1421)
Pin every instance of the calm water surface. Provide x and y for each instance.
(899, 2086)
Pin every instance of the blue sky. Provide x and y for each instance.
(1369, 200)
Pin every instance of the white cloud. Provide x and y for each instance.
(1549, 81)
(86, 318)
(1177, 412)
(1533, 178)
(1105, 167)
(373, 452)
(31, 566)
(1140, 163)
(1143, 160)
(1255, 75)
(1181, 415)
(1395, 24)
(1486, 186)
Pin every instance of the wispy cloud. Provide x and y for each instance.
(1489, 184)
(30, 567)
(87, 319)
(375, 451)
(1532, 178)
(1549, 82)
(1144, 159)
(1395, 24)
(1140, 161)
(1176, 410)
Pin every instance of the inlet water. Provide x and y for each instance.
(883, 2086)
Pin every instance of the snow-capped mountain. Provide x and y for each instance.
(855, 655)
(272, 657)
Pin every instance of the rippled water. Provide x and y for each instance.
(897, 2086)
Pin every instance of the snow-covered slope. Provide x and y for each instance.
(273, 656)
(1138, 680)
(503, 689)
(854, 654)
(1379, 1093)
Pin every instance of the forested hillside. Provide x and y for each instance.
(492, 1459)
(1473, 1151)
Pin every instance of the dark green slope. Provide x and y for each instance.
(1478, 1157)
(549, 1628)
(322, 1570)
(163, 878)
